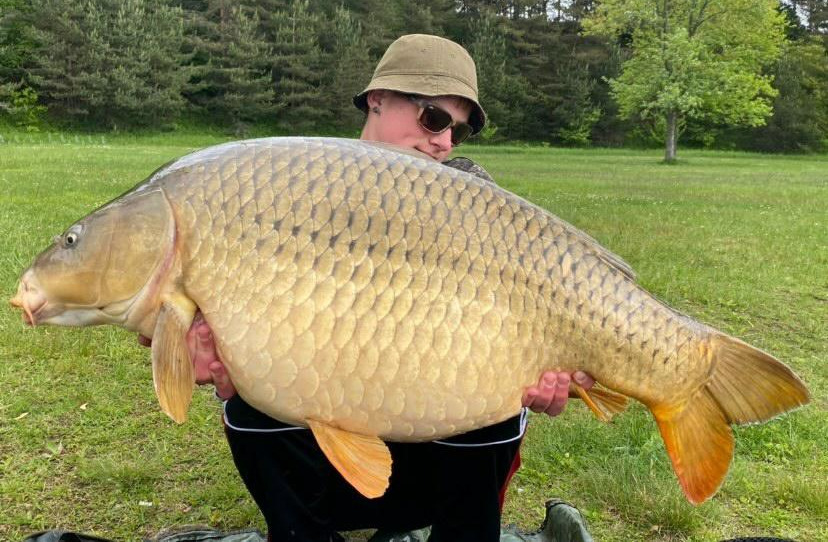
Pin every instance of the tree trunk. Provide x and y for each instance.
(670, 146)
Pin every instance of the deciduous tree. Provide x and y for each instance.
(700, 59)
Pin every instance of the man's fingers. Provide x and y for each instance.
(552, 391)
(583, 379)
(221, 380)
(559, 390)
(549, 396)
(529, 396)
(204, 339)
(202, 350)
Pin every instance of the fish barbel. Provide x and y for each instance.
(374, 295)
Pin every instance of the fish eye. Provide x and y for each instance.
(70, 238)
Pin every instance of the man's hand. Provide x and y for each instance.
(208, 367)
(550, 394)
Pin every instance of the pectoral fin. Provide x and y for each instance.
(603, 402)
(172, 370)
(365, 462)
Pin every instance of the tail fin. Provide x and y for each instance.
(746, 386)
(750, 385)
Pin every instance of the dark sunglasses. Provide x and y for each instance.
(437, 120)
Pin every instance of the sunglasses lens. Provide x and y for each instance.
(435, 119)
(460, 132)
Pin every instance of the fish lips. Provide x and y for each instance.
(31, 301)
(54, 314)
(38, 310)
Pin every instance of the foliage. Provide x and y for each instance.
(292, 66)
(693, 61)
(298, 68)
(814, 13)
(576, 112)
(500, 85)
(351, 72)
(110, 62)
(231, 76)
(22, 106)
(17, 44)
(20, 103)
(800, 110)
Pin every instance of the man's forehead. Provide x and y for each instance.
(456, 104)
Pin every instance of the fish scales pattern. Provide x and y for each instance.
(398, 297)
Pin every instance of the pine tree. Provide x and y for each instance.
(113, 63)
(503, 91)
(814, 14)
(17, 44)
(351, 71)
(800, 110)
(380, 19)
(298, 69)
(232, 78)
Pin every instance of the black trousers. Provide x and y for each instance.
(453, 487)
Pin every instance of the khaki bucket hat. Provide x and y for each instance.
(429, 66)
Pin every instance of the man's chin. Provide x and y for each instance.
(436, 156)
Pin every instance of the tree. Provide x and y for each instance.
(800, 111)
(111, 62)
(573, 67)
(351, 70)
(17, 43)
(232, 70)
(503, 92)
(693, 59)
(814, 14)
(298, 68)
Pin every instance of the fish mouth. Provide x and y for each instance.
(31, 300)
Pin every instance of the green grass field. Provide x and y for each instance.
(737, 240)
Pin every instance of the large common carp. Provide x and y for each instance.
(374, 295)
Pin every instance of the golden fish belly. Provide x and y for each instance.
(394, 296)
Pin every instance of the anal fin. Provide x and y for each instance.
(603, 402)
(699, 441)
(364, 461)
(172, 370)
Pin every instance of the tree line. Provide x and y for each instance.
(566, 72)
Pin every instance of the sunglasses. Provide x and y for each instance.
(437, 120)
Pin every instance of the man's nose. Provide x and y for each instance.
(443, 140)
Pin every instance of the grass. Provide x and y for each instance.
(737, 240)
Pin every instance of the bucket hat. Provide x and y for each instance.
(429, 66)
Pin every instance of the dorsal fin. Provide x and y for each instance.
(610, 258)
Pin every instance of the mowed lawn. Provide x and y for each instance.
(737, 240)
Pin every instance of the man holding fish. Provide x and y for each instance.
(423, 97)
(374, 296)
